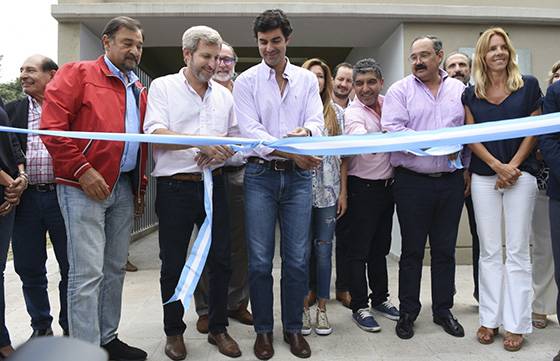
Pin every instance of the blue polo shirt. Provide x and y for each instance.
(132, 124)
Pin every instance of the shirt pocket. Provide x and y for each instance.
(218, 121)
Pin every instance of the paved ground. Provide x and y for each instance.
(141, 323)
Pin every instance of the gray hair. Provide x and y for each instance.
(232, 49)
(469, 60)
(193, 35)
(436, 42)
(367, 65)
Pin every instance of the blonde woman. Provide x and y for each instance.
(329, 202)
(503, 189)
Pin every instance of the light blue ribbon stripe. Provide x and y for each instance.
(348, 144)
(424, 143)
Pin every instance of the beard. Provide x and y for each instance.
(223, 76)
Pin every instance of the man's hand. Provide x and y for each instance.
(306, 161)
(13, 192)
(218, 153)
(202, 160)
(453, 156)
(5, 208)
(298, 132)
(139, 205)
(94, 185)
(467, 177)
(342, 205)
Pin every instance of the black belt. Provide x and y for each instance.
(42, 187)
(233, 169)
(429, 175)
(279, 165)
(372, 182)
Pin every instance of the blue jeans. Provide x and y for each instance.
(98, 236)
(272, 195)
(323, 222)
(37, 214)
(6, 226)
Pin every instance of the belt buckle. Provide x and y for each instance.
(42, 187)
(435, 175)
(275, 166)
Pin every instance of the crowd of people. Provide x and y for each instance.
(86, 193)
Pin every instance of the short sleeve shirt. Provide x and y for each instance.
(521, 103)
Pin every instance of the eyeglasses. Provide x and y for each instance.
(422, 57)
(227, 60)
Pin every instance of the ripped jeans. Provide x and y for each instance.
(323, 222)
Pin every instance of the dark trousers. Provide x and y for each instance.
(371, 208)
(342, 234)
(554, 208)
(6, 226)
(37, 214)
(475, 243)
(428, 207)
(179, 206)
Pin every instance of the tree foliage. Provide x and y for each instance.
(11, 91)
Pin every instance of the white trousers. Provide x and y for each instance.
(505, 290)
(544, 287)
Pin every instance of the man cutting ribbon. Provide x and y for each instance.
(190, 103)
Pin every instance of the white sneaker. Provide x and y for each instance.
(306, 328)
(323, 326)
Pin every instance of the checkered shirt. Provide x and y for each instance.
(39, 162)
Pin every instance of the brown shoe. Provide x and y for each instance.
(344, 298)
(6, 351)
(175, 347)
(129, 267)
(298, 346)
(202, 324)
(263, 346)
(242, 315)
(226, 344)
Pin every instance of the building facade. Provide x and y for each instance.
(330, 29)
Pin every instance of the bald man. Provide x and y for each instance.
(38, 211)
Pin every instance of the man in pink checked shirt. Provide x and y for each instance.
(428, 190)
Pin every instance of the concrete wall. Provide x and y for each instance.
(90, 44)
(542, 41)
(461, 3)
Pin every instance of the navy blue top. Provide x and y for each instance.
(550, 143)
(521, 103)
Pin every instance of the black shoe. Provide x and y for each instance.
(450, 325)
(404, 328)
(120, 351)
(42, 332)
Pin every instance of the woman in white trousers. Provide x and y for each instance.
(503, 189)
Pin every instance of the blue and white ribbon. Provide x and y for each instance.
(424, 143)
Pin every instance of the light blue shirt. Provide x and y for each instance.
(132, 121)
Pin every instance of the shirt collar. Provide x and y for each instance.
(33, 104)
(186, 81)
(271, 73)
(132, 77)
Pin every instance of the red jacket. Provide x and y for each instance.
(86, 96)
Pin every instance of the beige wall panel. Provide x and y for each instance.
(542, 40)
(68, 42)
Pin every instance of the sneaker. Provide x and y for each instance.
(387, 309)
(364, 319)
(323, 326)
(120, 351)
(306, 328)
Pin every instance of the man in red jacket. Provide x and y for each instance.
(100, 183)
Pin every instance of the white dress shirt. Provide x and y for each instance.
(174, 105)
